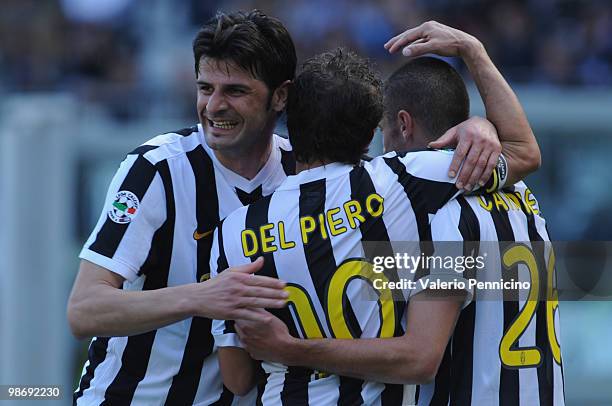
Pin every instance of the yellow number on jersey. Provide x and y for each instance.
(307, 317)
(526, 356)
(349, 270)
(552, 303)
(510, 354)
(337, 289)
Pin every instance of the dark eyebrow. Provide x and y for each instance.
(231, 86)
(238, 87)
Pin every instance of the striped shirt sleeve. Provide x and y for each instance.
(222, 330)
(453, 257)
(134, 209)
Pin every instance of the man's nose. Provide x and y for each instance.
(216, 102)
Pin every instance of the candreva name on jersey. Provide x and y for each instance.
(264, 240)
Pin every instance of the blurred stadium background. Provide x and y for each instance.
(82, 82)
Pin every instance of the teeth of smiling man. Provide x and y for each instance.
(226, 125)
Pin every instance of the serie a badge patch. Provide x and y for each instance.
(124, 207)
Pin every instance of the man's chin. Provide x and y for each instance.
(220, 142)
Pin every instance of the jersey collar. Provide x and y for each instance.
(271, 167)
(328, 171)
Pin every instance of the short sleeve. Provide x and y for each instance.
(453, 259)
(134, 209)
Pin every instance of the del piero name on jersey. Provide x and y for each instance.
(334, 221)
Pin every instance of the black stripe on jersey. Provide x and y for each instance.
(137, 351)
(393, 394)
(469, 227)
(374, 229)
(462, 365)
(349, 392)
(207, 204)
(222, 263)
(295, 390)
(248, 198)
(322, 265)
(143, 149)
(261, 387)
(256, 216)
(200, 342)
(137, 181)
(318, 251)
(426, 196)
(185, 131)
(288, 162)
(351, 319)
(96, 355)
(509, 378)
(545, 370)
(442, 380)
(226, 398)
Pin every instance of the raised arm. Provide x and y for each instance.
(503, 108)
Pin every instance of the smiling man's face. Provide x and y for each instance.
(233, 107)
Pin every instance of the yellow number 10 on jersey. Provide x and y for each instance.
(336, 290)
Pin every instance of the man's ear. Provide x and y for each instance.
(279, 98)
(406, 125)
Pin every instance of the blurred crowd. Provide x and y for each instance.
(118, 53)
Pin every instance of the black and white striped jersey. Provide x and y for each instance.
(155, 230)
(504, 350)
(310, 233)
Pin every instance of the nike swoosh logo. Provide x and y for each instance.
(198, 236)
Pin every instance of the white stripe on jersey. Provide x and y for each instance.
(183, 164)
(107, 370)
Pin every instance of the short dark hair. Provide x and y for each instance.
(432, 92)
(334, 105)
(253, 41)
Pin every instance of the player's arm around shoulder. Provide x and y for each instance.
(502, 106)
(412, 358)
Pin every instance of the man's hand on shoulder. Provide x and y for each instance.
(477, 146)
(235, 293)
